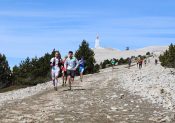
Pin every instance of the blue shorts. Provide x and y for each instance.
(81, 69)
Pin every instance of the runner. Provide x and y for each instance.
(145, 61)
(156, 61)
(113, 62)
(140, 63)
(81, 68)
(55, 70)
(71, 64)
(64, 74)
(129, 63)
(138, 59)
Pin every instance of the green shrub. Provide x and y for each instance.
(33, 71)
(122, 61)
(168, 58)
(148, 53)
(105, 63)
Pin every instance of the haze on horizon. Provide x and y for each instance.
(32, 28)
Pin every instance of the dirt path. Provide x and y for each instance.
(98, 99)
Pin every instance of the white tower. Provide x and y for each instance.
(97, 42)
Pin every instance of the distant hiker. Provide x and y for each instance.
(129, 63)
(156, 61)
(64, 74)
(71, 64)
(140, 63)
(113, 62)
(55, 69)
(138, 59)
(145, 62)
(81, 68)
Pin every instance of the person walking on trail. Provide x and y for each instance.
(55, 69)
(156, 61)
(140, 63)
(113, 62)
(81, 68)
(138, 59)
(64, 73)
(129, 63)
(71, 64)
(145, 61)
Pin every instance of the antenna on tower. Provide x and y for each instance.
(97, 42)
(97, 36)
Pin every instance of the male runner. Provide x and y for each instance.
(71, 64)
(113, 62)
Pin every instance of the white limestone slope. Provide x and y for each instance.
(152, 82)
(102, 54)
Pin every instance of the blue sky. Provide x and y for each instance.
(34, 27)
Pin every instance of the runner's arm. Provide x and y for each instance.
(51, 62)
(65, 64)
(77, 64)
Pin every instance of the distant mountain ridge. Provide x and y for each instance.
(102, 54)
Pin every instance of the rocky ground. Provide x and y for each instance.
(152, 82)
(99, 98)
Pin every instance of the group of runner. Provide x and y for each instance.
(68, 66)
(145, 61)
(140, 61)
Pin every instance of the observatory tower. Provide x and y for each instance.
(97, 42)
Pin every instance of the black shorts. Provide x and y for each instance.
(71, 73)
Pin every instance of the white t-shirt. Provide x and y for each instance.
(55, 62)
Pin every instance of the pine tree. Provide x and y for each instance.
(5, 72)
(88, 54)
(168, 58)
(148, 53)
(171, 57)
(33, 71)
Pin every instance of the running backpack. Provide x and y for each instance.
(59, 63)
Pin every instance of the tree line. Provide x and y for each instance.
(32, 71)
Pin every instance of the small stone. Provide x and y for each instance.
(113, 108)
(125, 105)
(131, 115)
(122, 96)
(132, 101)
(162, 91)
(114, 96)
(108, 117)
(130, 110)
(125, 110)
(163, 120)
(59, 119)
(153, 119)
